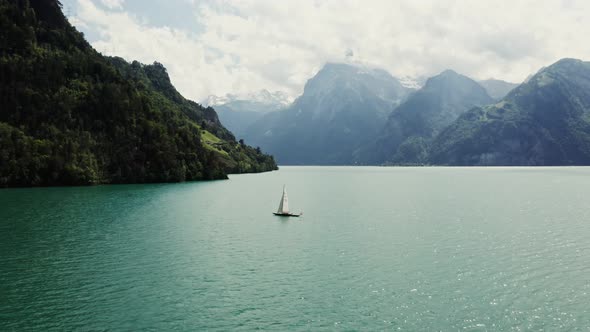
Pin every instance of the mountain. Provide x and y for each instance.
(414, 83)
(497, 89)
(268, 101)
(410, 127)
(71, 116)
(544, 121)
(341, 108)
(238, 112)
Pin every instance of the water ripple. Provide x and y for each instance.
(423, 249)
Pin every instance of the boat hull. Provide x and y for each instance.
(286, 214)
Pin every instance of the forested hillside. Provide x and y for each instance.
(70, 116)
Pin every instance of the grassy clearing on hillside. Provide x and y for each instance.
(212, 142)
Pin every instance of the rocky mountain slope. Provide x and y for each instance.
(341, 109)
(545, 121)
(412, 125)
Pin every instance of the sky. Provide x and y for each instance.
(216, 47)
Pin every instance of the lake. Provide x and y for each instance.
(413, 249)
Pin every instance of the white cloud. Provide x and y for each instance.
(113, 4)
(253, 44)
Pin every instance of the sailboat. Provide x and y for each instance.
(283, 210)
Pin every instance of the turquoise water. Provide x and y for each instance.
(414, 249)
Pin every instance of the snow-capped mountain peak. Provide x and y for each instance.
(410, 82)
(263, 96)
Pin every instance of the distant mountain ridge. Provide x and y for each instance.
(239, 112)
(544, 121)
(410, 127)
(358, 115)
(263, 97)
(414, 83)
(497, 89)
(341, 107)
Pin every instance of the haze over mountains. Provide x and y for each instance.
(409, 128)
(238, 112)
(355, 115)
(544, 121)
(346, 116)
(340, 109)
(497, 89)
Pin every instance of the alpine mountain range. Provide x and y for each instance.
(354, 115)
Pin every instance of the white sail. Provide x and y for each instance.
(284, 205)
